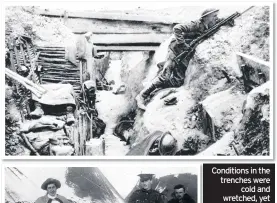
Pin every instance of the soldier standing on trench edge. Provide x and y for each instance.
(173, 75)
(146, 194)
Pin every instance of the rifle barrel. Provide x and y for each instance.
(210, 31)
(246, 10)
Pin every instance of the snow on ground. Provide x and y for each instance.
(110, 108)
(262, 90)
(168, 118)
(225, 106)
(44, 30)
(222, 146)
(205, 80)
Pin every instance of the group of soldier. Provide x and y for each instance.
(143, 195)
(148, 195)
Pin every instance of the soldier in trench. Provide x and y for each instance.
(86, 51)
(173, 75)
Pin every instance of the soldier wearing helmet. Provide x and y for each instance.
(173, 75)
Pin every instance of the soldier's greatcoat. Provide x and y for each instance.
(146, 196)
(184, 34)
(171, 75)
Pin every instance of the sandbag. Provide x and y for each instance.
(57, 94)
(45, 122)
(39, 139)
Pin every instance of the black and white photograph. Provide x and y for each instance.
(129, 80)
(101, 184)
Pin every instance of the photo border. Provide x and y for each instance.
(272, 96)
(130, 165)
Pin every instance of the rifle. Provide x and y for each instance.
(206, 35)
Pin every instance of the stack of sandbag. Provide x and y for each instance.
(47, 136)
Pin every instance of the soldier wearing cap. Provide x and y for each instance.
(146, 194)
(171, 74)
(51, 185)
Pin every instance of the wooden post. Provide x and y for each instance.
(23, 54)
(81, 72)
(90, 127)
(11, 55)
(80, 131)
(85, 128)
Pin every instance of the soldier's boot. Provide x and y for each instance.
(69, 115)
(38, 112)
(142, 97)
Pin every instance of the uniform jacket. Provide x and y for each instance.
(46, 199)
(184, 34)
(146, 196)
(188, 32)
(186, 199)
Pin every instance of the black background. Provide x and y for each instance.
(213, 189)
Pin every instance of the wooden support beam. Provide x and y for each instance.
(126, 48)
(112, 16)
(254, 59)
(52, 55)
(129, 38)
(81, 26)
(255, 71)
(52, 60)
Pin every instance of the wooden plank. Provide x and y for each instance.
(254, 59)
(52, 55)
(60, 70)
(51, 48)
(129, 38)
(81, 26)
(64, 80)
(55, 60)
(65, 73)
(112, 31)
(52, 52)
(59, 76)
(113, 16)
(106, 48)
(255, 71)
(53, 63)
(126, 48)
(57, 68)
